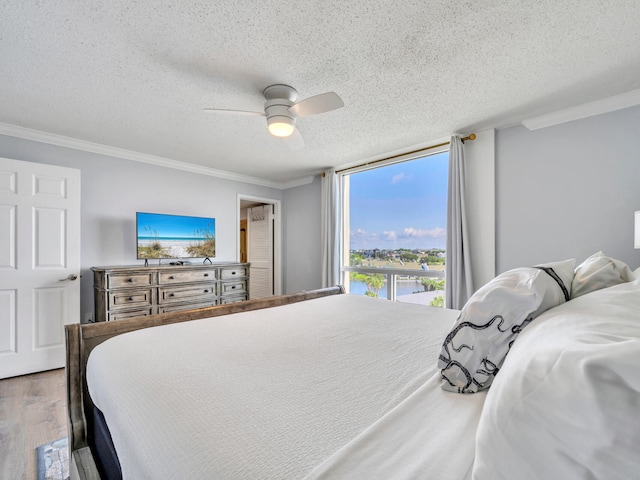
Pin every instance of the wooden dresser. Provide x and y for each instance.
(132, 291)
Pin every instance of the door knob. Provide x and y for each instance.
(72, 277)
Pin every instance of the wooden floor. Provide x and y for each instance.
(32, 412)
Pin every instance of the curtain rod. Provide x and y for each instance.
(471, 137)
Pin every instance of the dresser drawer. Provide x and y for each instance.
(145, 312)
(233, 299)
(134, 280)
(227, 273)
(196, 293)
(168, 278)
(231, 287)
(187, 306)
(119, 299)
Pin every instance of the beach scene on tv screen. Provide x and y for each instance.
(174, 236)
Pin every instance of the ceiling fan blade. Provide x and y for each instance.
(325, 102)
(295, 140)
(240, 112)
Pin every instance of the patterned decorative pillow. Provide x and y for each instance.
(597, 272)
(492, 318)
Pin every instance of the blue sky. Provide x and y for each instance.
(173, 225)
(400, 206)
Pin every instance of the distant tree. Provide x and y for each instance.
(373, 281)
(408, 256)
(432, 284)
(355, 259)
(432, 260)
(437, 302)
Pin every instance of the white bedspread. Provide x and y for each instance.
(278, 392)
(428, 436)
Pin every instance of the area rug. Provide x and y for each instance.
(53, 460)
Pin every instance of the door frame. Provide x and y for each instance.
(277, 235)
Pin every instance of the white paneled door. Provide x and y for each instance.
(39, 264)
(260, 250)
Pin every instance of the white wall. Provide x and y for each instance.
(114, 189)
(568, 191)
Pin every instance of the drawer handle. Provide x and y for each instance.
(206, 274)
(206, 291)
(233, 287)
(130, 299)
(171, 277)
(172, 294)
(233, 273)
(130, 280)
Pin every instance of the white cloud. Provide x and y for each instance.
(389, 235)
(411, 232)
(361, 238)
(407, 238)
(399, 177)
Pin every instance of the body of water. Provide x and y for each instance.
(402, 288)
(152, 239)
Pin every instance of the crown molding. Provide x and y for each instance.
(605, 105)
(100, 149)
(298, 182)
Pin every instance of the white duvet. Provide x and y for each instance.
(338, 387)
(566, 404)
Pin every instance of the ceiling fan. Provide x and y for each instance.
(282, 109)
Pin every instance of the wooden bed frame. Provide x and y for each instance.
(81, 339)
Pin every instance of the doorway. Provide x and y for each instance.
(259, 243)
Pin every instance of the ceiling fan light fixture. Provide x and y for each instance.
(281, 109)
(280, 126)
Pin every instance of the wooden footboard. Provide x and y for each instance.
(81, 339)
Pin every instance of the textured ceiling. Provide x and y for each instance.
(136, 75)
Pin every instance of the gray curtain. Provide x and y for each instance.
(330, 218)
(459, 285)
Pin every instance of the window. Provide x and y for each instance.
(394, 228)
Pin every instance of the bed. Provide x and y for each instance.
(322, 385)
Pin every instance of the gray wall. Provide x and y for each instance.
(302, 261)
(114, 189)
(481, 205)
(568, 190)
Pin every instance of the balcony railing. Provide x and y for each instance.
(391, 276)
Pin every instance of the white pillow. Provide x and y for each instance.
(597, 272)
(566, 402)
(490, 321)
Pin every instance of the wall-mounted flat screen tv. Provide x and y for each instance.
(175, 236)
